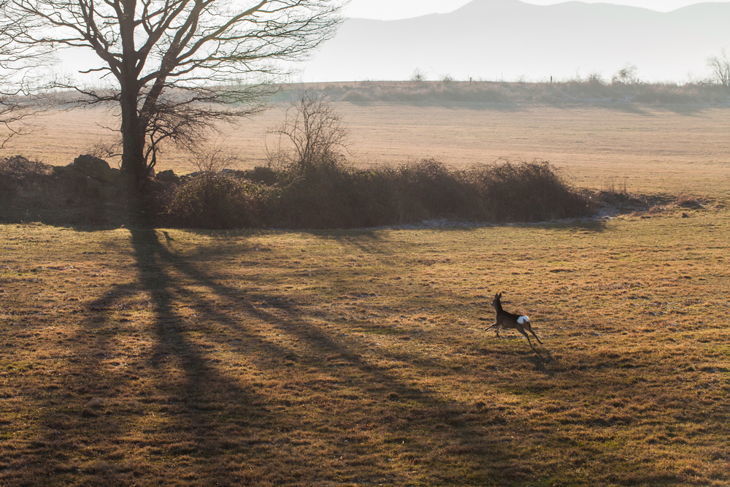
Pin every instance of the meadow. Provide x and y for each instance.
(136, 356)
(650, 150)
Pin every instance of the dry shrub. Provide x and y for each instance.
(16, 175)
(215, 196)
(312, 134)
(213, 159)
(331, 194)
(215, 200)
(20, 167)
(428, 189)
(262, 175)
(690, 202)
(527, 191)
(313, 192)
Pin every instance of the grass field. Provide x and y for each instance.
(653, 150)
(148, 357)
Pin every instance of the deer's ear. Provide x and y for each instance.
(499, 295)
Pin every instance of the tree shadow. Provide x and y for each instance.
(318, 349)
(173, 410)
(192, 418)
(99, 405)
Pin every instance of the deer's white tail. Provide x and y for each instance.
(522, 320)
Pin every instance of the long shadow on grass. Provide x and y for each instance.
(196, 420)
(56, 455)
(422, 421)
(214, 418)
(89, 432)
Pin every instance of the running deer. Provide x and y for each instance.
(508, 321)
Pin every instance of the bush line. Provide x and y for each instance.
(329, 194)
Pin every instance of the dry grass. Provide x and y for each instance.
(141, 357)
(597, 147)
(359, 358)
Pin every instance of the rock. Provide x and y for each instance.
(234, 173)
(92, 166)
(263, 175)
(168, 176)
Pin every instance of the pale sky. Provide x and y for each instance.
(398, 9)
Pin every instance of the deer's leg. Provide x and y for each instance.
(526, 336)
(491, 327)
(536, 337)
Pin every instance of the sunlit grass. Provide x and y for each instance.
(134, 356)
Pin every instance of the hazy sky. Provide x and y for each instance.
(398, 9)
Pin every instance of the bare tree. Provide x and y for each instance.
(418, 76)
(15, 60)
(628, 75)
(177, 67)
(313, 130)
(212, 159)
(720, 66)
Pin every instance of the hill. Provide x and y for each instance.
(508, 39)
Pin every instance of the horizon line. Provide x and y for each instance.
(527, 2)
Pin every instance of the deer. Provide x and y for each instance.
(506, 321)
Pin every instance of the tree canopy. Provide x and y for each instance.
(175, 66)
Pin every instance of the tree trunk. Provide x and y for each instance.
(134, 165)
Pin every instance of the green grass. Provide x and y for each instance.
(135, 357)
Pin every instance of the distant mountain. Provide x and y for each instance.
(509, 39)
